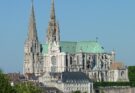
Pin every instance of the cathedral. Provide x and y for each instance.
(57, 63)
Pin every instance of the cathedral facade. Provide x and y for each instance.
(49, 60)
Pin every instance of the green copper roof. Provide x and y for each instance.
(89, 47)
(45, 48)
(74, 47)
(69, 47)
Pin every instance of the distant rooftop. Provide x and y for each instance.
(117, 65)
(75, 77)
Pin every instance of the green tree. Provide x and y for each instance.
(27, 87)
(22, 87)
(131, 73)
(5, 86)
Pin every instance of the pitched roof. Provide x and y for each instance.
(116, 66)
(75, 47)
(75, 77)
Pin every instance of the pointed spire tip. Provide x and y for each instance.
(52, 10)
(32, 1)
(52, 1)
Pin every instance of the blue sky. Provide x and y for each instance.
(112, 21)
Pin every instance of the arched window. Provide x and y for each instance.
(122, 73)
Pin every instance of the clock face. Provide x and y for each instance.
(53, 60)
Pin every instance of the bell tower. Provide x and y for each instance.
(53, 33)
(32, 48)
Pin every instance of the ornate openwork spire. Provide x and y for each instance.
(32, 35)
(53, 34)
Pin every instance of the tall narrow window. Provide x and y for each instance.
(71, 59)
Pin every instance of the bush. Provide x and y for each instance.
(111, 84)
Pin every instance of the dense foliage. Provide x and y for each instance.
(131, 73)
(22, 87)
(107, 84)
(113, 84)
(5, 84)
(27, 87)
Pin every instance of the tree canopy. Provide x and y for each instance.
(5, 86)
(27, 87)
(131, 73)
(22, 87)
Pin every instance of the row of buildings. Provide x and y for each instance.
(68, 65)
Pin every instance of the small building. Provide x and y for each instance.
(118, 72)
(76, 81)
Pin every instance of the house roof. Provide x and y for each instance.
(75, 77)
(116, 66)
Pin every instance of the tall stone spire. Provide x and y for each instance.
(52, 11)
(53, 33)
(32, 34)
(32, 48)
(53, 29)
